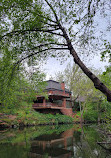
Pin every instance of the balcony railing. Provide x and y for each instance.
(38, 105)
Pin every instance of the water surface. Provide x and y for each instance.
(63, 141)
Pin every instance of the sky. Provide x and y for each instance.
(53, 66)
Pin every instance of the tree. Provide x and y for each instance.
(81, 87)
(106, 76)
(15, 77)
(22, 87)
(98, 108)
(76, 81)
(31, 26)
(95, 107)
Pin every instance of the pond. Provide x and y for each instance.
(62, 141)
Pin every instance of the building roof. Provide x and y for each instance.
(54, 85)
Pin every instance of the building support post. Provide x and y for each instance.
(64, 103)
(44, 102)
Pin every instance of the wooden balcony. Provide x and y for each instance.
(47, 105)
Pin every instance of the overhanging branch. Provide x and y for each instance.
(35, 53)
(47, 44)
(32, 30)
(97, 83)
(56, 17)
(46, 18)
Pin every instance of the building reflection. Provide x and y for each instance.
(53, 145)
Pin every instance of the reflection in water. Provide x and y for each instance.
(62, 141)
(54, 145)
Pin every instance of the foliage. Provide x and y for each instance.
(19, 24)
(33, 27)
(26, 116)
(19, 143)
(102, 107)
(98, 110)
(106, 106)
(77, 116)
(90, 116)
(18, 81)
(107, 52)
(18, 91)
(18, 87)
(31, 31)
(77, 82)
(106, 76)
(33, 132)
(96, 107)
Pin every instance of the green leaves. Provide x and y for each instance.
(76, 21)
(107, 51)
(18, 39)
(106, 76)
(20, 23)
(16, 86)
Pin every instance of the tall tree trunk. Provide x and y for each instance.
(97, 83)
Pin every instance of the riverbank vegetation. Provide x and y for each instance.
(30, 33)
(33, 31)
(89, 104)
(20, 142)
(25, 118)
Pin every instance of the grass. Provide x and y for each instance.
(28, 117)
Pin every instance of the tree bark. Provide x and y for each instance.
(97, 83)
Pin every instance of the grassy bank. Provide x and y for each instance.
(24, 117)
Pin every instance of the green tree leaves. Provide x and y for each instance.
(37, 28)
(107, 51)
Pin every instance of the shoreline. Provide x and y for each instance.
(15, 121)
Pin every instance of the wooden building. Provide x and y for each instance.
(59, 99)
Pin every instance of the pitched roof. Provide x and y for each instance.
(51, 84)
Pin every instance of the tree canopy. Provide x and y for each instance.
(31, 30)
